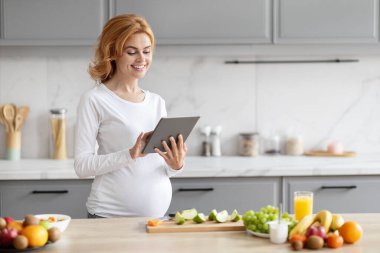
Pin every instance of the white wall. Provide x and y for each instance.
(321, 101)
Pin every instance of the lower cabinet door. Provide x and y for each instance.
(206, 194)
(69, 197)
(340, 194)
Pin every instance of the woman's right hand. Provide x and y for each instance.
(136, 150)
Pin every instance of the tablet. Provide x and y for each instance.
(167, 127)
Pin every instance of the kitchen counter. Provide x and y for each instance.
(226, 166)
(129, 235)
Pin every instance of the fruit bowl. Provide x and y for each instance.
(60, 221)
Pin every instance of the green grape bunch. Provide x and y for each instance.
(258, 221)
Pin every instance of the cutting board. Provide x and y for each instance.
(325, 153)
(170, 226)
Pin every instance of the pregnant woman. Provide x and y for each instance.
(118, 116)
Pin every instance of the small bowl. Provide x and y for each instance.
(61, 223)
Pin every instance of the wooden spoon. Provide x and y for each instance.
(19, 120)
(9, 115)
(24, 111)
(2, 119)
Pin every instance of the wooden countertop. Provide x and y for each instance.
(129, 235)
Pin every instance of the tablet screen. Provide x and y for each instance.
(168, 127)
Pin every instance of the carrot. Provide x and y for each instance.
(154, 223)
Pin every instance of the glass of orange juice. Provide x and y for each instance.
(303, 204)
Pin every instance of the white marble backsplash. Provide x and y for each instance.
(322, 102)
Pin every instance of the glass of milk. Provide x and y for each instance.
(278, 231)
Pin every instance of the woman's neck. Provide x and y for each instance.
(126, 89)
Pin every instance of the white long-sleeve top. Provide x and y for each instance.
(122, 186)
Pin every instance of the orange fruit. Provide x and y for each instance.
(334, 241)
(351, 231)
(37, 235)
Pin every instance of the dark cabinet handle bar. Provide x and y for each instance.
(340, 187)
(51, 192)
(196, 189)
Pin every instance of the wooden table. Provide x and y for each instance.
(129, 235)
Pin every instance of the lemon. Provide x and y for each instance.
(189, 214)
(178, 218)
(234, 217)
(222, 216)
(212, 215)
(199, 218)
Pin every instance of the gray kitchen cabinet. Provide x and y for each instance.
(341, 194)
(69, 197)
(203, 21)
(44, 22)
(325, 21)
(242, 194)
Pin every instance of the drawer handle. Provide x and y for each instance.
(340, 187)
(51, 192)
(196, 189)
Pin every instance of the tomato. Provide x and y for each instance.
(334, 241)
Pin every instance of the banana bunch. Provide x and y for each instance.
(324, 218)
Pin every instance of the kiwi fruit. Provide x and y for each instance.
(54, 234)
(314, 242)
(30, 220)
(20, 242)
(297, 245)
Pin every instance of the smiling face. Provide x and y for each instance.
(136, 58)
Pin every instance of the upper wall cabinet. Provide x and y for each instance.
(326, 21)
(203, 21)
(40, 22)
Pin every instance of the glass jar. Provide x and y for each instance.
(272, 145)
(58, 133)
(294, 145)
(249, 144)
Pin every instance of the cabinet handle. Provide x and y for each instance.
(340, 187)
(196, 189)
(51, 192)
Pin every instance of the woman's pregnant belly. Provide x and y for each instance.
(134, 192)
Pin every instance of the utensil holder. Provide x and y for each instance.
(13, 142)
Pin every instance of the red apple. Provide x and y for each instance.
(7, 236)
(317, 230)
(8, 219)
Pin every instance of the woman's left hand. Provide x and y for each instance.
(175, 156)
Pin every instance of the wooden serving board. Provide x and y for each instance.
(328, 154)
(170, 226)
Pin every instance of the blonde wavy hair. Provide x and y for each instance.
(111, 44)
